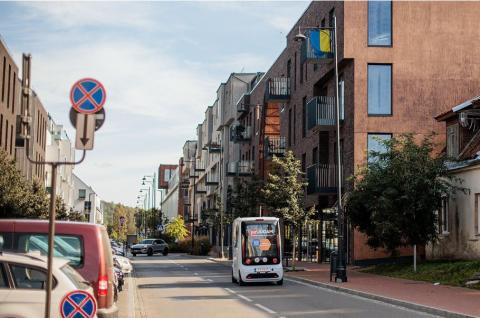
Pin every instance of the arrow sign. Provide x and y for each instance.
(85, 132)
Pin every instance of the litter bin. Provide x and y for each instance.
(333, 264)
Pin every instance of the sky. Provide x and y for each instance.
(160, 62)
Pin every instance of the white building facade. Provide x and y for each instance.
(87, 201)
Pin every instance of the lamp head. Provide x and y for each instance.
(300, 37)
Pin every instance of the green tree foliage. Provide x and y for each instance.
(397, 195)
(176, 228)
(284, 193)
(20, 198)
(61, 211)
(246, 197)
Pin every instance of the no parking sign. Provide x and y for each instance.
(78, 304)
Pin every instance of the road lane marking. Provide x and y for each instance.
(196, 274)
(245, 298)
(209, 280)
(266, 309)
(231, 291)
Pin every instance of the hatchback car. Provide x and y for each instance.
(23, 279)
(86, 246)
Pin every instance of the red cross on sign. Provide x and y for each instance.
(88, 96)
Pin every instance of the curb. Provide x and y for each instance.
(392, 301)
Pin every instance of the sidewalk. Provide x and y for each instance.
(440, 300)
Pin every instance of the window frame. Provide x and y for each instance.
(476, 215)
(391, 90)
(375, 134)
(40, 269)
(444, 224)
(391, 25)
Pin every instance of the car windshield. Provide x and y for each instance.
(147, 242)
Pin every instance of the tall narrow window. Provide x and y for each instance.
(304, 161)
(3, 78)
(323, 146)
(11, 140)
(14, 92)
(289, 68)
(375, 144)
(8, 85)
(379, 89)
(443, 216)
(6, 134)
(341, 96)
(295, 72)
(294, 123)
(290, 127)
(331, 15)
(301, 72)
(380, 23)
(304, 116)
(1, 129)
(315, 156)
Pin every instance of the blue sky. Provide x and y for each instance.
(161, 63)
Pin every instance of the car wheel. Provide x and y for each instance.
(150, 252)
(240, 280)
(165, 252)
(233, 278)
(280, 282)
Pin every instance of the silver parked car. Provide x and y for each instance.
(150, 247)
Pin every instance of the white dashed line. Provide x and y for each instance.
(230, 291)
(265, 308)
(245, 298)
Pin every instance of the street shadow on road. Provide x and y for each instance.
(186, 285)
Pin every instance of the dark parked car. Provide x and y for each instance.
(150, 247)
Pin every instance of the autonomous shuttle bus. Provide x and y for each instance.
(257, 251)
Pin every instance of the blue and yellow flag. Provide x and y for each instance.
(320, 41)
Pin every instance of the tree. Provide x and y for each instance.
(246, 197)
(398, 193)
(61, 212)
(284, 193)
(176, 228)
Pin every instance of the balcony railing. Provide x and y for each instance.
(321, 113)
(243, 105)
(318, 47)
(322, 178)
(275, 145)
(212, 179)
(199, 165)
(240, 168)
(240, 133)
(214, 147)
(278, 89)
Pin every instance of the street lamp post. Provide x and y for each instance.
(341, 268)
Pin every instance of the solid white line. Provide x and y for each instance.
(209, 280)
(231, 291)
(266, 309)
(244, 298)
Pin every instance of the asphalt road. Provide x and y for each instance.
(182, 286)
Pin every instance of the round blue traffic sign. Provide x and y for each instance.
(78, 304)
(88, 96)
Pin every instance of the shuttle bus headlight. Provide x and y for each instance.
(264, 259)
(257, 259)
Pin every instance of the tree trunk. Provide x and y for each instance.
(414, 258)
(294, 244)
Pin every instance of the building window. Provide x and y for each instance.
(375, 144)
(301, 72)
(443, 216)
(294, 123)
(82, 193)
(290, 127)
(476, 214)
(289, 68)
(295, 72)
(379, 89)
(380, 23)
(304, 162)
(11, 140)
(315, 156)
(8, 85)
(6, 135)
(1, 129)
(14, 91)
(331, 15)
(452, 141)
(3, 78)
(341, 96)
(304, 116)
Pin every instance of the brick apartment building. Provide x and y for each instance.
(400, 64)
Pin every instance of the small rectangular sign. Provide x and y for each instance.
(85, 131)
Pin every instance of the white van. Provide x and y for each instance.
(257, 251)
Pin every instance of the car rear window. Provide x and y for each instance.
(75, 277)
(69, 247)
(107, 250)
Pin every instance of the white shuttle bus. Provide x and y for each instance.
(257, 250)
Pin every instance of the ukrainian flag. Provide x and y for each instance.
(320, 41)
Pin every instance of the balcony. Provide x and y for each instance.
(322, 178)
(318, 47)
(321, 113)
(275, 145)
(240, 133)
(214, 147)
(199, 165)
(212, 179)
(278, 89)
(185, 184)
(243, 105)
(200, 188)
(240, 168)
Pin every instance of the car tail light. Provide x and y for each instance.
(103, 286)
(248, 261)
(275, 260)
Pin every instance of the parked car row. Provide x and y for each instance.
(83, 260)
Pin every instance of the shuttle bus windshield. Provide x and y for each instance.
(261, 239)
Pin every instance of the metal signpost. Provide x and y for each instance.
(88, 97)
